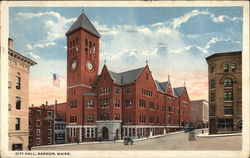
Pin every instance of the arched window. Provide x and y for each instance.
(212, 69)
(90, 44)
(228, 82)
(226, 67)
(234, 67)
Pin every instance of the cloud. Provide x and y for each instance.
(29, 46)
(186, 17)
(56, 29)
(43, 45)
(34, 56)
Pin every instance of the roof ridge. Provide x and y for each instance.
(130, 70)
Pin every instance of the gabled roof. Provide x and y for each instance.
(84, 23)
(127, 77)
(178, 91)
(161, 86)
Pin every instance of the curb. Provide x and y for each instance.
(107, 142)
(217, 135)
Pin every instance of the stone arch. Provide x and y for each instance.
(212, 66)
(105, 133)
(228, 76)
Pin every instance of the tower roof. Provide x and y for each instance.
(83, 22)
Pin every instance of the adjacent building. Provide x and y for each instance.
(47, 125)
(225, 92)
(18, 86)
(112, 105)
(199, 113)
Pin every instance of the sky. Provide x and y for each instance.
(174, 40)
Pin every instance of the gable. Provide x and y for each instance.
(146, 77)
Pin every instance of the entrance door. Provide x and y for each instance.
(105, 133)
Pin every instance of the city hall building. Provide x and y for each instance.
(225, 92)
(112, 105)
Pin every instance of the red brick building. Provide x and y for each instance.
(47, 125)
(112, 105)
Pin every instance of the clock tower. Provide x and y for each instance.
(82, 71)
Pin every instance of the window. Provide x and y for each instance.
(128, 90)
(142, 103)
(226, 67)
(212, 97)
(9, 84)
(38, 132)
(18, 82)
(228, 82)
(18, 103)
(49, 131)
(49, 140)
(212, 84)
(38, 112)
(228, 96)
(38, 123)
(117, 116)
(105, 103)
(90, 132)
(90, 119)
(72, 132)
(9, 106)
(73, 104)
(49, 113)
(128, 103)
(105, 91)
(212, 69)
(212, 110)
(116, 90)
(117, 103)
(128, 118)
(234, 67)
(73, 119)
(38, 141)
(228, 110)
(86, 42)
(90, 103)
(49, 123)
(17, 124)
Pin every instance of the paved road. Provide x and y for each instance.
(170, 142)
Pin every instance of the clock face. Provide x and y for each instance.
(74, 64)
(90, 66)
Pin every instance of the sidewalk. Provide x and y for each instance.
(107, 142)
(206, 135)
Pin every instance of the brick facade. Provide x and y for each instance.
(225, 92)
(113, 105)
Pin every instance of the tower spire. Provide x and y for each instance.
(146, 61)
(82, 9)
(168, 78)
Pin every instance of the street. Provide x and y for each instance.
(169, 142)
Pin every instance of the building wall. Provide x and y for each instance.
(199, 113)
(18, 67)
(221, 122)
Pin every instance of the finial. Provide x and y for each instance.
(82, 9)
(146, 61)
(105, 62)
(184, 83)
(168, 78)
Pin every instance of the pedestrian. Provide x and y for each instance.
(202, 131)
(114, 138)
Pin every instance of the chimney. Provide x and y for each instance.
(10, 43)
(46, 103)
(32, 105)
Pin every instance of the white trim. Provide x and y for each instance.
(148, 126)
(89, 126)
(74, 126)
(77, 85)
(112, 121)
